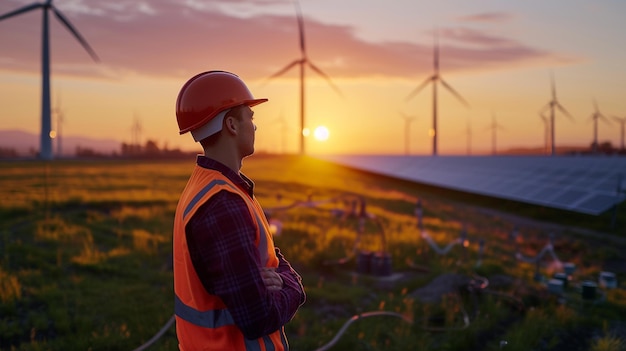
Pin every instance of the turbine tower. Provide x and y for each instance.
(283, 131)
(407, 127)
(494, 126)
(434, 79)
(595, 116)
(136, 130)
(303, 61)
(546, 132)
(60, 119)
(552, 105)
(621, 121)
(45, 151)
(468, 134)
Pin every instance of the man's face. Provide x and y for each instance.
(247, 130)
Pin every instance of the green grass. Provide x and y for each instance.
(85, 260)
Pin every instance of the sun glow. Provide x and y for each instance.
(321, 133)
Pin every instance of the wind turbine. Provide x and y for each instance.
(552, 105)
(621, 121)
(407, 127)
(468, 133)
(494, 126)
(60, 119)
(303, 61)
(595, 116)
(45, 151)
(136, 129)
(434, 79)
(283, 131)
(546, 133)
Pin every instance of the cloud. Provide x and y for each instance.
(177, 39)
(488, 17)
(478, 38)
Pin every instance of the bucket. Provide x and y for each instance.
(562, 277)
(555, 286)
(569, 268)
(589, 290)
(607, 280)
(381, 264)
(363, 262)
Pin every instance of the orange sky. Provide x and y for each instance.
(497, 55)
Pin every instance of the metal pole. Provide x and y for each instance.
(302, 144)
(45, 150)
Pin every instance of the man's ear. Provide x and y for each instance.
(230, 125)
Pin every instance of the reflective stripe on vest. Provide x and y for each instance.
(208, 187)
(221, 318)
(206, 319)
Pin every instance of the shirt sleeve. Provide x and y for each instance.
(221, 238)
(291, 278)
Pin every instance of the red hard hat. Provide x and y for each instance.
(207, 94)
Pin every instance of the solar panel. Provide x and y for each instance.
(585, 184)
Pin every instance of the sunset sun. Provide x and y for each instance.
(321, 133)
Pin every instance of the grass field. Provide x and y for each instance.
(85, 260)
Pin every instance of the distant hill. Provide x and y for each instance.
(542, 151)
(25, 143)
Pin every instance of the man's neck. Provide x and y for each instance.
(226, 157)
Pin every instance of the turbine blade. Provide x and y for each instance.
(319, 71)
(436, 54)
(562, 109)
(20, 11)
(603, 117)
(420, 87)
(285, 69)
(73, 30)
(300, 28)
(553, 86)
(450, 89)
(406, 117)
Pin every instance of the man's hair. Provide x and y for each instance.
(212, 139)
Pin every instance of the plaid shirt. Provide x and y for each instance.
(220, 237)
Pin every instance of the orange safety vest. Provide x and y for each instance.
(203, 321)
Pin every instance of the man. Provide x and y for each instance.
(234, 290)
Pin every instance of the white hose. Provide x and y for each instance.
(357, 317)
(546, 249)
(157, 335)
(437, 249)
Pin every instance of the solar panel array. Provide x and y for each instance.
(585, 184)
